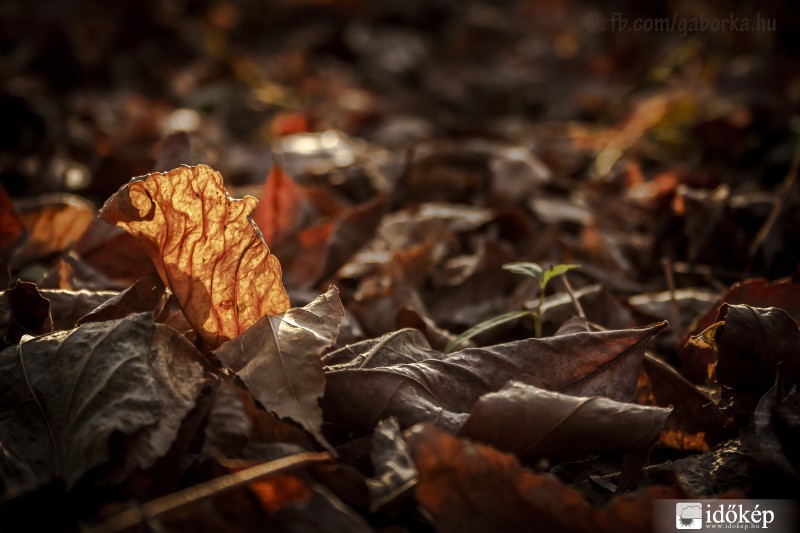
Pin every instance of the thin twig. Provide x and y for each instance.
(781, 200)
(176, 500)
(575, 302)
(666, 264)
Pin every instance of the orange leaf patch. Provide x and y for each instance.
(205, 246)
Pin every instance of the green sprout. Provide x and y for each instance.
(532, 270)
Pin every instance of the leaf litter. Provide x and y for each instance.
(156, 376)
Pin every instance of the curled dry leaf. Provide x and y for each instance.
(533, 422)
(752, 342)
(471, 487)
(64, 395)
(754, 292)
(380, 381)
(205, 247)
(278, 359)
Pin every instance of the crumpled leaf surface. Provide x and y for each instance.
(278, 359)
(380, 383)
(752, 342)
(533, 422)
(63, 396)
(471, 487)
(205, 247)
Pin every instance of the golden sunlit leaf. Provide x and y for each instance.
(205, 246)
(705, 339)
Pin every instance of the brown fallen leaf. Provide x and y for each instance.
(278, 358)
(64, 395)
(12, 234)
(471, 487)
(205, 246)
(379, 381)
(532, 422)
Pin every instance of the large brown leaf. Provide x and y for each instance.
(64, 395)
(380, 382)
(532, 422)
(205, 246)
(471, 487)
(278, 359)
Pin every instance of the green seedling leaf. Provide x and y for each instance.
(532, 270)
(555, 271)
(484, 326)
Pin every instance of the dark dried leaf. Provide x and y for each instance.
(143, 296)
(532, 422)
(65, 394)
(237, 429)
(752, 342)
(278, 358)
(29, 312)
(754, 292)
(361, 391)
(205, 247)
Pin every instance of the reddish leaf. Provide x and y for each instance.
(12, 235)
(471, 487)
(530, 421)
(278, 359)
(279, 206)
(64, 395)
(54, 223)
(379, 381)
(205, 247)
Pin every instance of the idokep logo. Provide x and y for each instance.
(689, 515)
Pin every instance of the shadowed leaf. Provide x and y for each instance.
(377, 383)
(278, 359)
(533, 422)
(64, 395)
